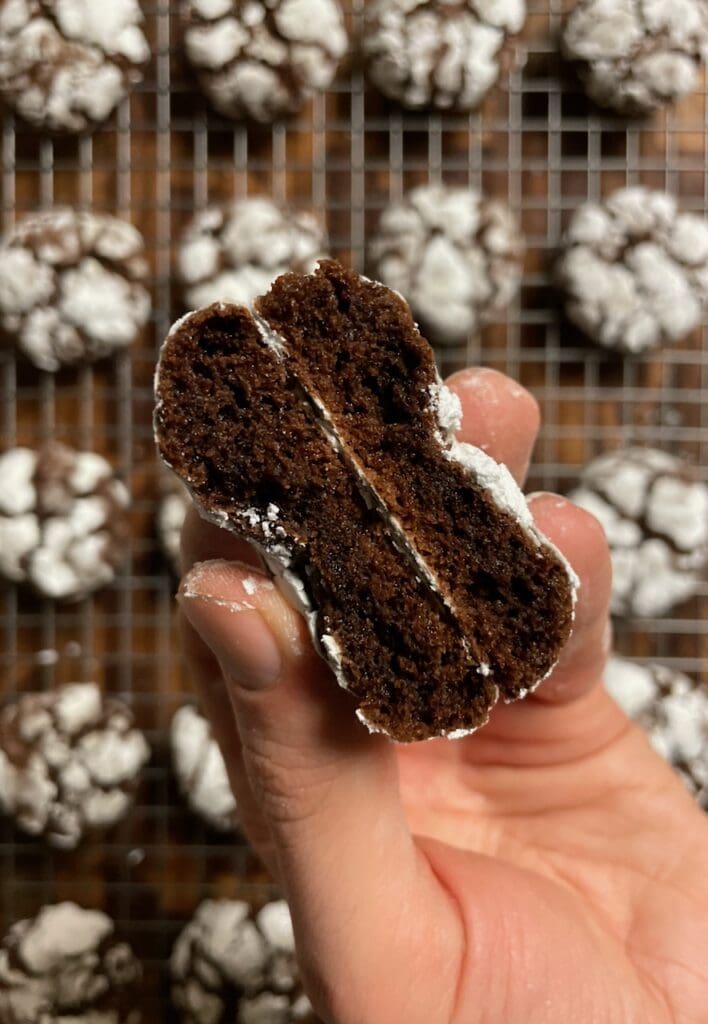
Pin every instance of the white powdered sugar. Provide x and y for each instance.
(261, 59)
(69, 762)
(230, 956)
(72, 286)
(65, 64)
(454, 255)
(634, 270)
(438, 54)
(655, 515)
(63, 520)
(66, 964)
(674, 712)
(200, 769)
(233, 253)
(637, 55)
(172, 510)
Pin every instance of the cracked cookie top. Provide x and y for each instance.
(655, 515)
(69, 762)
(453, 254)
(232, 962)
(67, 964)
(66, 64)
(444, 54)
(262, 59)
(637, 55)
(72, 286)
(634, 270)
(200, 769)
(233, 253)
(63, 520)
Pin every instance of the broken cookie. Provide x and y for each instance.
(320, 431)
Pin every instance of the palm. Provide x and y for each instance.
(622, 857)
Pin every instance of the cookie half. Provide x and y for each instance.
(320, 431)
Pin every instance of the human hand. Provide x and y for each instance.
(550, 869)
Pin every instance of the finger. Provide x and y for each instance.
(355, 879)
(202, 541)
(498, 415)
(579, 537)
(206, 676)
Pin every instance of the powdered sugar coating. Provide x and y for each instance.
(674, 712)
(438, 53)
(65, 64)
(637, 55)
(63, 520)
(72, 286)
(229, 958)
(234, 253)
(69, 762)
(200, 770)
(655, 515)
(67, 965)
(172, 510)
(454, 255)
(261, 59)
(634, 270)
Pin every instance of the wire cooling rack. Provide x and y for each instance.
(537, 143)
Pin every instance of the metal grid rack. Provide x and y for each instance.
(536, 142)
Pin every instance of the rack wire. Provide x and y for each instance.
(537, 143)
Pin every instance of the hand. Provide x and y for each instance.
(550, 869)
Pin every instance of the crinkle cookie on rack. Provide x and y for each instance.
(72, 287)
(66, 64)
(262, 59)
(440, 54)
(70, 761)
(63, 520)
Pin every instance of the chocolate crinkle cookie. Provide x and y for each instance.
(72, 286)
(444, 54)
(637, 55)
(634, 270)
(69, 762)
(674, 712)
(655, 514)
(233, 253)
(67, 966)
(231, 963)
(63, 520)
(453, 254)
(319, 430)
(66, 64)
(262, 59)
(200, 769)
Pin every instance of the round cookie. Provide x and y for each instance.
(231, 963)
(634, 270)
(200, 770)
(63, 520)
(67, 965)
(66, 64)
(674, 712)
(454, 255)
(72, 286)
(655, 515)
(69, 762)
(444, 54)
(233, 253)
(262, 59)
(637, 55)
(174, 505)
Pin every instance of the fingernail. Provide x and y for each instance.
(220, 601)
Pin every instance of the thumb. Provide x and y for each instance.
(358, 886)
